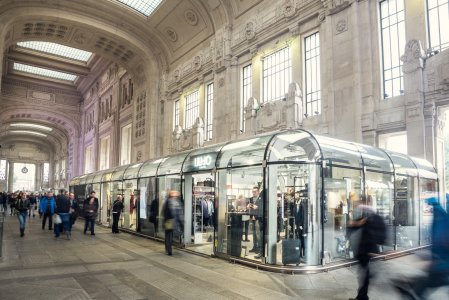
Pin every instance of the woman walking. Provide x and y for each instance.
(22, 205)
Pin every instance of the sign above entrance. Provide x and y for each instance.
(200, 162)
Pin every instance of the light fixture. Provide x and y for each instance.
(27, 132)
(31, 125)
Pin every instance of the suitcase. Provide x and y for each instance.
(291, 251)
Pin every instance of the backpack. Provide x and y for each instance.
(377, 229)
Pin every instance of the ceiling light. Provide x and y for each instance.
(145, 7)
(31, 126)
(44, 72)
(57, 49)
(28, 132)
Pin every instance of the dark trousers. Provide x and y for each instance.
(168, 241)
(364, 276)
(246, 226)
(115, 219)
(50, 221)
(256, 242)
(89, 222)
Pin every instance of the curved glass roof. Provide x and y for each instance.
(291, 146)
(98, 176)
(82, 179)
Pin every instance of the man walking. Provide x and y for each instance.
(63, 210)
(47, 209)
(90, 212)
(172, 219)
(117, 208)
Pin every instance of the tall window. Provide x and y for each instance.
(104, 153)
(192, 109)
(209, 110)
(46, 172)
(176, 114)
(247, 86)
(393, 45)
(312, 74)
(438, 18)
(88, 160)
(276, 75)
(125, 149)
(2, 169)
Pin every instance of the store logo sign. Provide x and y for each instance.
(201, 162)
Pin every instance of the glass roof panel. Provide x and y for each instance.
(57, 49)
(98, 176)
(149, 168)
(132, 171)
(44, 72)
(172, 165)
(145, 7)
(374, 159)
(339, 152)
(403, 164)
(242, 153)
(425, 168)
(118, 173)
(293, 146)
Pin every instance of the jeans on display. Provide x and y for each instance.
(65, 218)
(115, 219)
(168, 241)
(89, 222)
(22, 220)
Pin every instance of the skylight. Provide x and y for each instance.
(145, 7)
(28, 132)
(57, 49)
(44, 72)
(30, 125)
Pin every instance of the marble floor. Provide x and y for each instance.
(123, 266)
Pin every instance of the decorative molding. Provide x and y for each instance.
(341, 26)
(413, 57)
(250, 31)
(221, 82)
(191, 17)
(171, 34)
(289, 8)
(336, 6)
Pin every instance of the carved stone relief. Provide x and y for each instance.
(341, 26)
(413, 57)
(171, 33)
(191, 17)
(250, 31)
(81, 37)
(289, 8)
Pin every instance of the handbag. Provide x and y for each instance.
(169, 224)
(57, 219)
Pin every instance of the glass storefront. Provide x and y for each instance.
(281, 199)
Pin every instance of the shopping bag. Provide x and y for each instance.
(57, 219)
(169, 224)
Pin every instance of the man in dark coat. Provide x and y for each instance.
(117, 208)
(90, 208)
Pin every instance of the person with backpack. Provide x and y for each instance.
(22, 206)
(370, 229)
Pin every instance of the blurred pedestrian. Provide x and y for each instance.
(47, 209)
(117, 208)
(90, 208)
(63, 210)
(438, 272)
(22, 205)
(369, 231)
(33, 202)
(172, 212)
(74, 210)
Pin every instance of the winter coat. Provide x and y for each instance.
(43, 204)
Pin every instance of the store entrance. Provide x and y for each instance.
(202, 215)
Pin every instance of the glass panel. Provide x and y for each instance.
(405, 212)
(375, 158)
(44, 72)
(343, 193)
(145, 7)
(82, 179)
(105, 203)
(403, 164)
(293, 146)
(276, 75)
(172, 164)
(339, 152)
(425, 168)
(89, 178)
(428, 189)
(57, 49)
(246, 152)
(246, 94)
(149, 224)
(132, 171)
(241, 223)
(107, 175)
(201, 159)
(379, 195)
(98, 176)
(293, 235)
(149, 168)
(192, 109)
(166, 184)
(312, 73)
(118, 173)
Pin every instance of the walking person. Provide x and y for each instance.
(90, 212)
(3, 201)
(372, 233)
(12, 198)
(172, 219)
(33, 202)
(74, 210)
(63, 210)
(117, 208)
(22, 205)
(47, 209)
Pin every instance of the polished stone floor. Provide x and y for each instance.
(123, 266)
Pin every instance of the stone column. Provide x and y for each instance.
(415, 18)
(418, 119)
